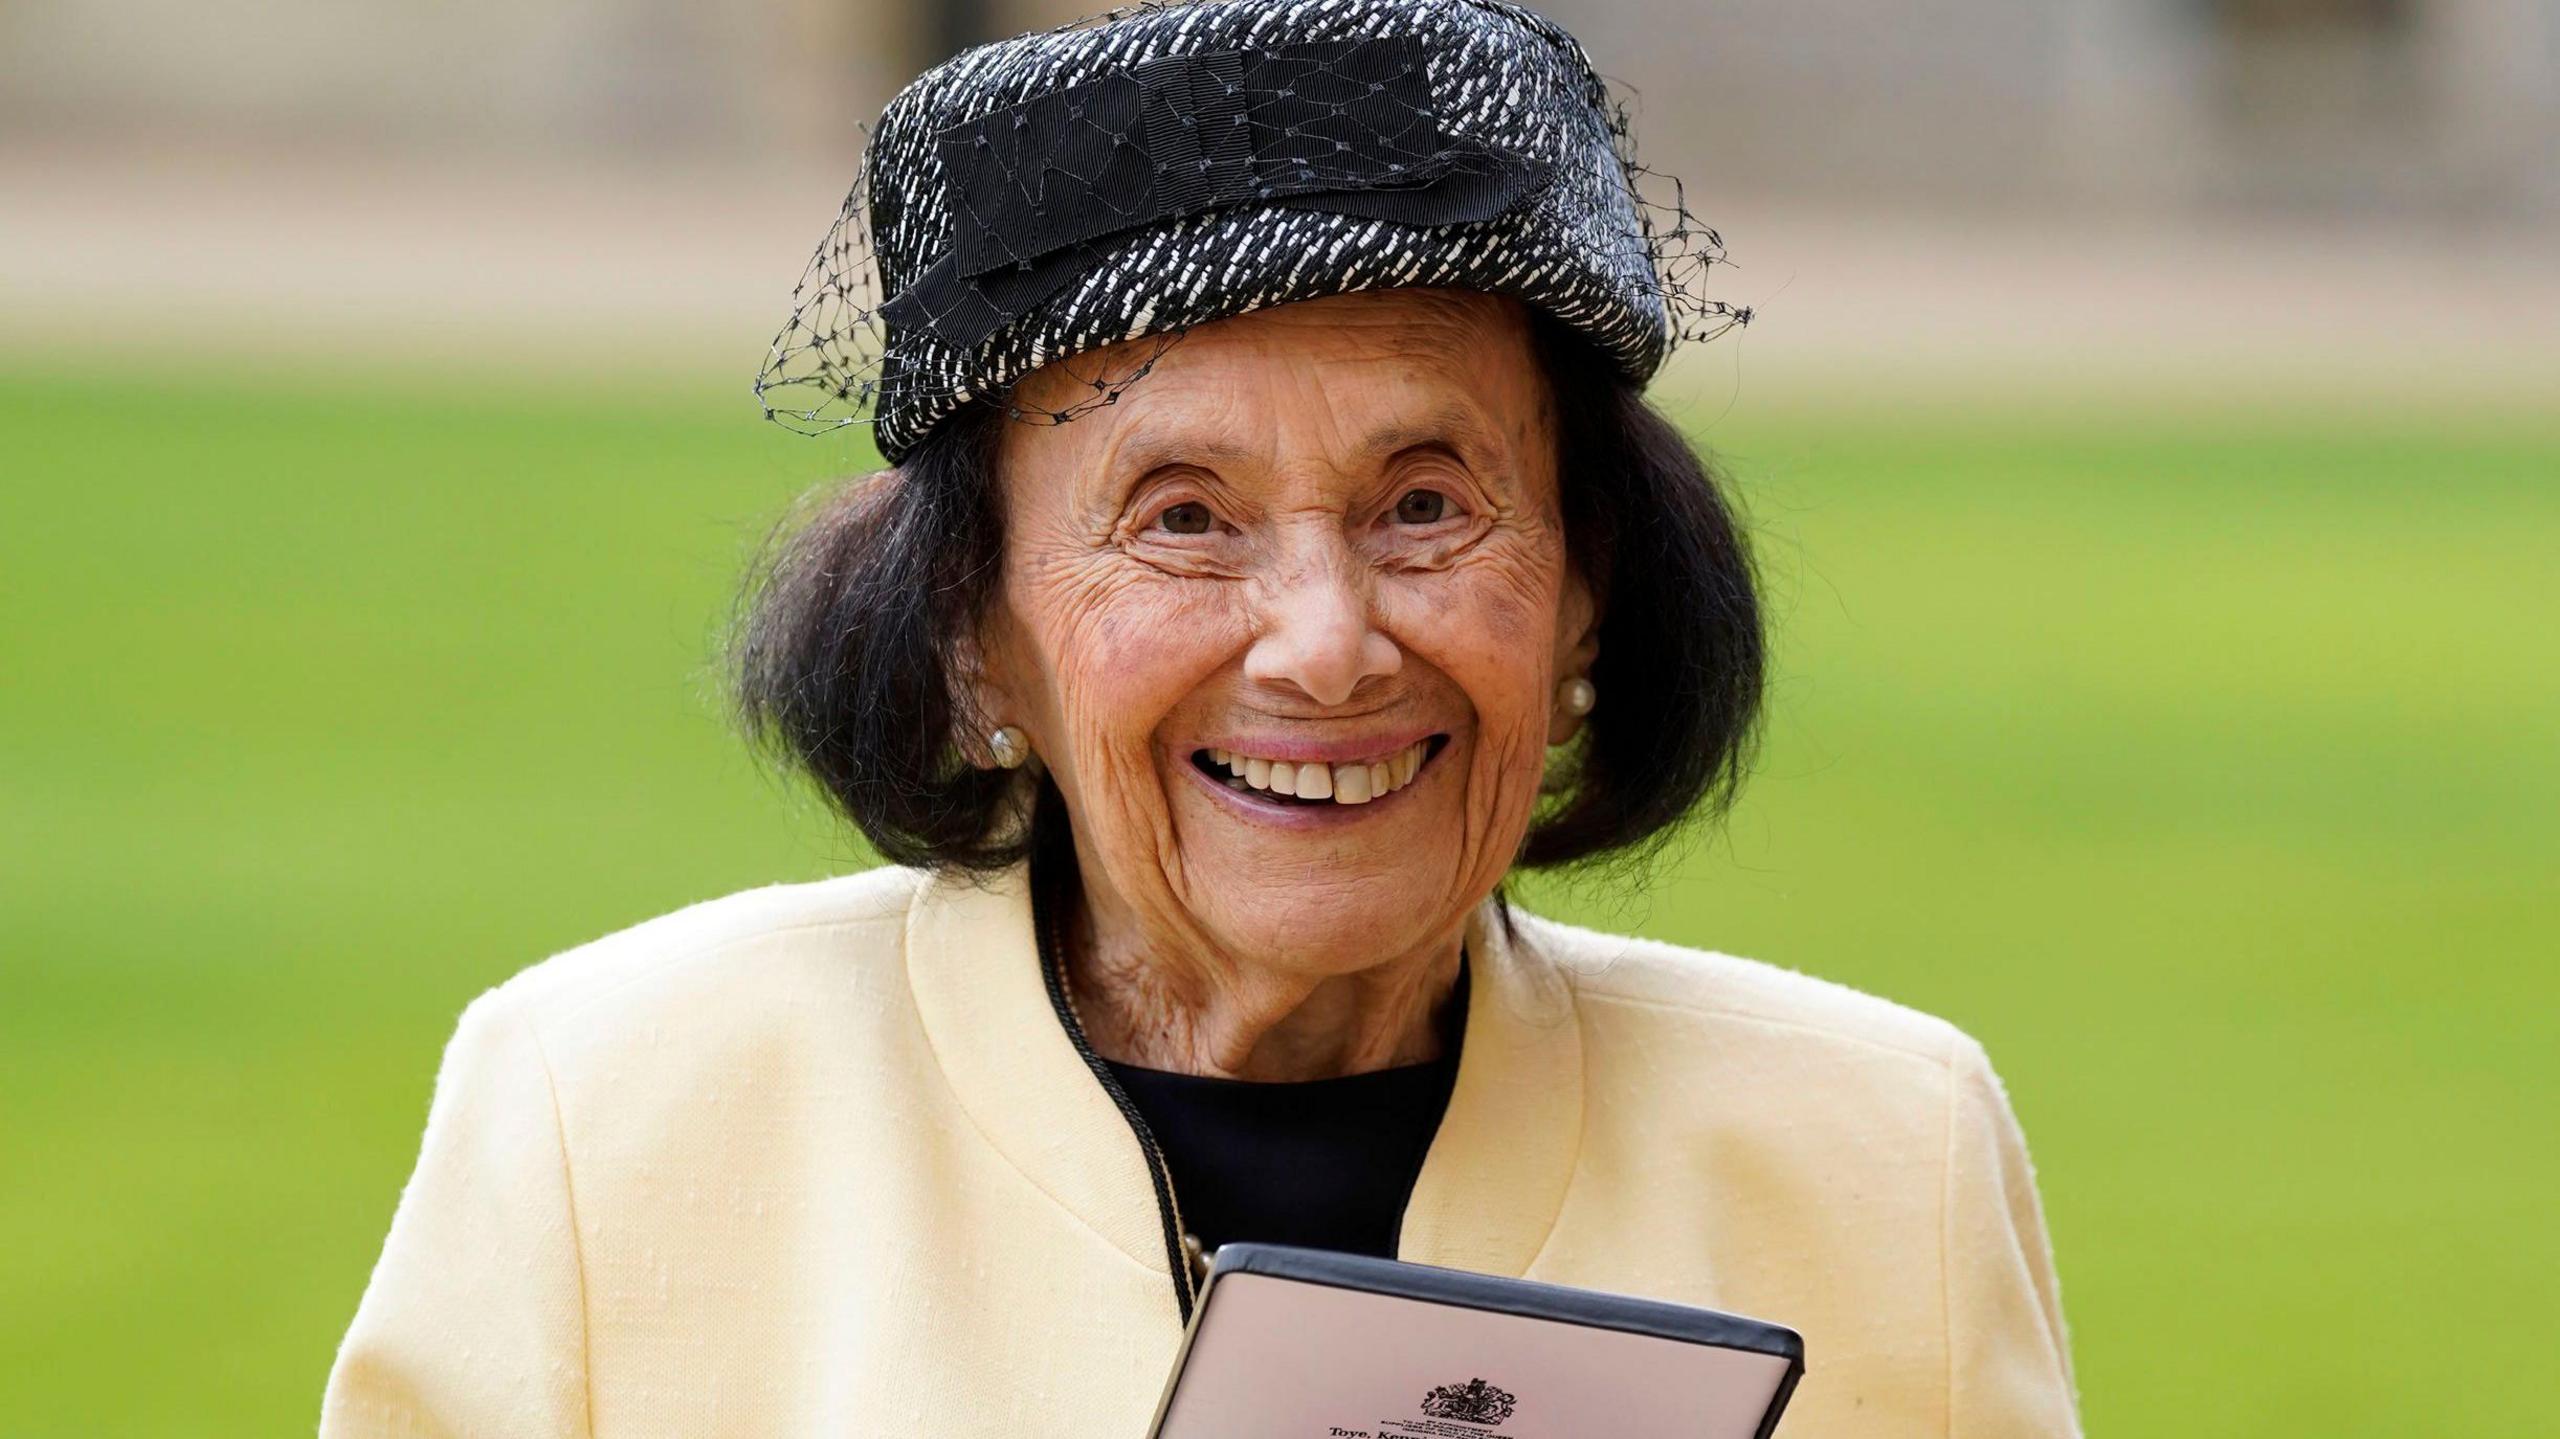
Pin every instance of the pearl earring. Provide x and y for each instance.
(1009, 747)
(1577, 696)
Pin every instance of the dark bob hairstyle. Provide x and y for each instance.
(842, 649)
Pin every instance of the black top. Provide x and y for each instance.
(1324, 1163)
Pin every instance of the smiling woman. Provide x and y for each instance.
(1318, 581)
(1204, 695)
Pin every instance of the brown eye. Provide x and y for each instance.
(1188, 518)
(1422, 507)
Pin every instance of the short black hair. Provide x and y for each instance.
(842, 651)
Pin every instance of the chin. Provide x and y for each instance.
(1321, 937)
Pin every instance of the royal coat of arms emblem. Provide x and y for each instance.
(1474, 1402)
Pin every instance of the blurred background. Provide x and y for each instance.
(2151, 424)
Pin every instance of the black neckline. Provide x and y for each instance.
(1367, 1078)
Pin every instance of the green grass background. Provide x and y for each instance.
(2202, 762)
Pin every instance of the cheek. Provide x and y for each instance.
(1121, 647)
(1489, 624)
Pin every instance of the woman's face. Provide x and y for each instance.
(1317, 549)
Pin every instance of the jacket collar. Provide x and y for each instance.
(1490, 1187)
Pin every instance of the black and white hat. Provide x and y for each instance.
(1174, 163)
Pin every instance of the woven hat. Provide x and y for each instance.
(1169, 164)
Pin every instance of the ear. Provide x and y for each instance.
(1577, 649)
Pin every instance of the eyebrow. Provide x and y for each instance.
(1449, 424)
(1149, 453)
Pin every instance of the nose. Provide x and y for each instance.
(1316, 635)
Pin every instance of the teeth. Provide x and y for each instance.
(1342, 783)
(1351, 784)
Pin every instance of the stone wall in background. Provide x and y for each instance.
(2447, 106)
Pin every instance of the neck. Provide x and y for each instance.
(1173, 1007)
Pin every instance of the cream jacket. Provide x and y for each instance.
(820, 1159)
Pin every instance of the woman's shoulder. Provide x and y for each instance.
(768, 937)
(1655, 983)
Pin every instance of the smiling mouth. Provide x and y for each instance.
(1303, 785)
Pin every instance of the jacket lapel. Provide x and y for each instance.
(974, 963)
(1496, 1174)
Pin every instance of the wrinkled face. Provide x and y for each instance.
(1287, 622)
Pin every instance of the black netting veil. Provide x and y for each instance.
(1086, 194)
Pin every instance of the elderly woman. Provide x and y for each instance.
(1278, 551)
